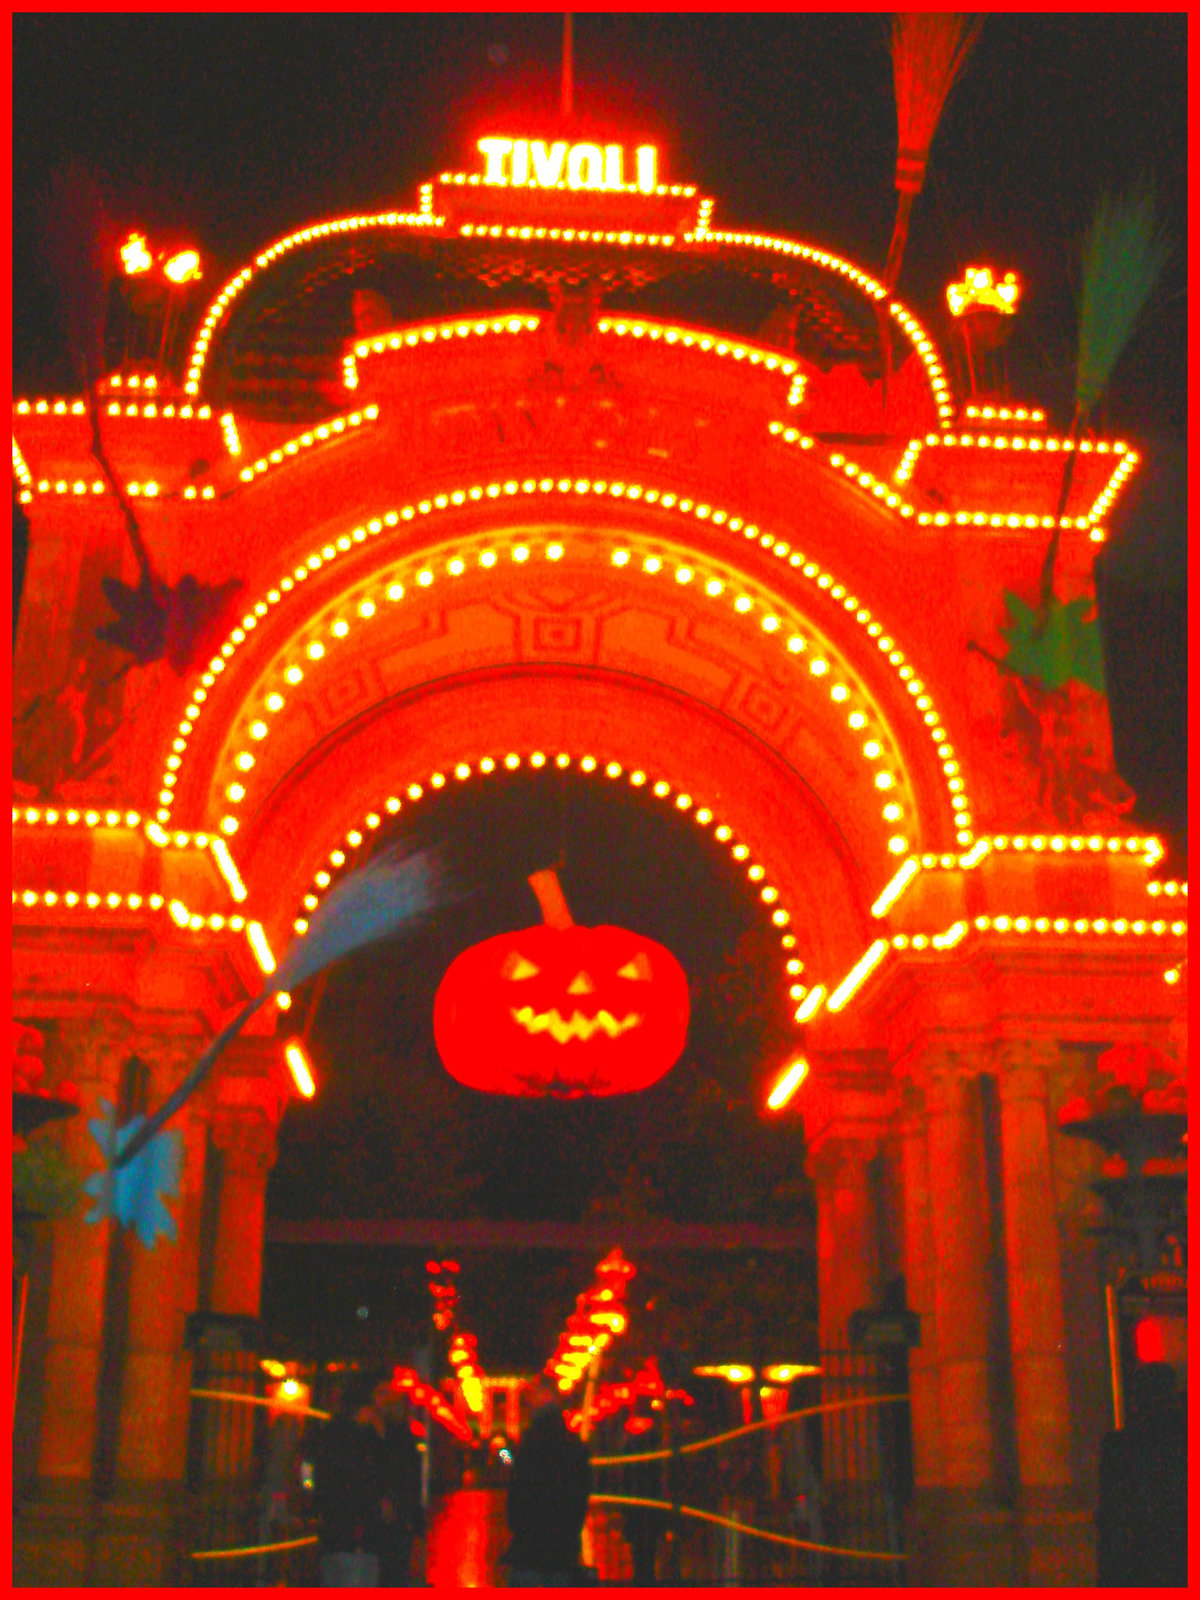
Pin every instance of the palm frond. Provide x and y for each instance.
(393, 891)
(1124, 253)
(929, 51)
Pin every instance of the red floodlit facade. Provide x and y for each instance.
(555, 471)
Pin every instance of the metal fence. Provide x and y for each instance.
(815, 1498)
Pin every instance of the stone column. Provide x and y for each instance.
(958, 1229)
(1035, 1310)
(1055, 1548)
(919, 1276)
(53, 1533)
(92, 1050)
(246, 1140)
(138, 1541)
(847, 1250)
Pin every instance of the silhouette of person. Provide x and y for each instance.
(350, 1483)
(548, 1495)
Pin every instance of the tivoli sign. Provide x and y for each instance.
(535, 164)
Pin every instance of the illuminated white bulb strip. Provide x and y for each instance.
(979, 519)
(45, 408)
(1170, 889)
(131, 380)
(682, 506)
(1035, 444)
(804, 252)
(184, 412)
(927, 353)
(51, 816)
(237, 284)
(497, 230)
(479, 180)
(22, 474)
(316, 649)
(320, 433)
(1058, 844)
(695, 339)
(1149, 848)
(73, 486)
(229, 429)
(1081, 926)
(1028, 414)
(460, 771)
(430, 333)
(94, 900)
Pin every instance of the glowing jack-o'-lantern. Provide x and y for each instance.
(560, 1009)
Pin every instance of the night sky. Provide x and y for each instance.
(227, 131)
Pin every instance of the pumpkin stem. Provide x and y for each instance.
(555, 911)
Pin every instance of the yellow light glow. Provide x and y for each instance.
(786, 1372)
(229, 869)
(812, 1004)
(793, 1076)
(301, 1073)
(732, 1372)
(897, 886)
(980, 288)
(184, 267)
(858, 974)
(258, 943)
(135, 257)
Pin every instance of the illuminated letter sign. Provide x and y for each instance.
(534, 164)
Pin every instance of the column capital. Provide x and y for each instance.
(246, 1140)
(941, 1057)
(841, 1160)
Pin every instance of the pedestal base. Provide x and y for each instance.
(61, 1537)
(959, 1539)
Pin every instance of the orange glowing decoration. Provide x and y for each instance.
(980, 289)
(183, 267)
(135, 257)
(561, 1010)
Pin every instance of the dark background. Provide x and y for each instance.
(227, 131)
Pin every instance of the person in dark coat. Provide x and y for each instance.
(1141, 1523)
(548, 1495)
(404, 1517)
(350, 1484)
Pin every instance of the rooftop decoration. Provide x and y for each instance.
(561, 1010)
(980, 289)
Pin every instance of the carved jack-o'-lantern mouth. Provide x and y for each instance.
(577, 1026)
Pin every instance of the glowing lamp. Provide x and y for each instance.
(183, 268)
(1149, 1340)
(301, 1072)
(980, 289)
(786, 1372)
(135, 258)
(789, 1081)
(561, 1010)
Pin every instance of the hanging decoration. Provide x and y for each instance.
(391, 893)
(1124, 253)
(929, 51)
(561, 1010)
(134, 1193)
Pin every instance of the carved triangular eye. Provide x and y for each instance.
(639, 967)
(515, 967)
